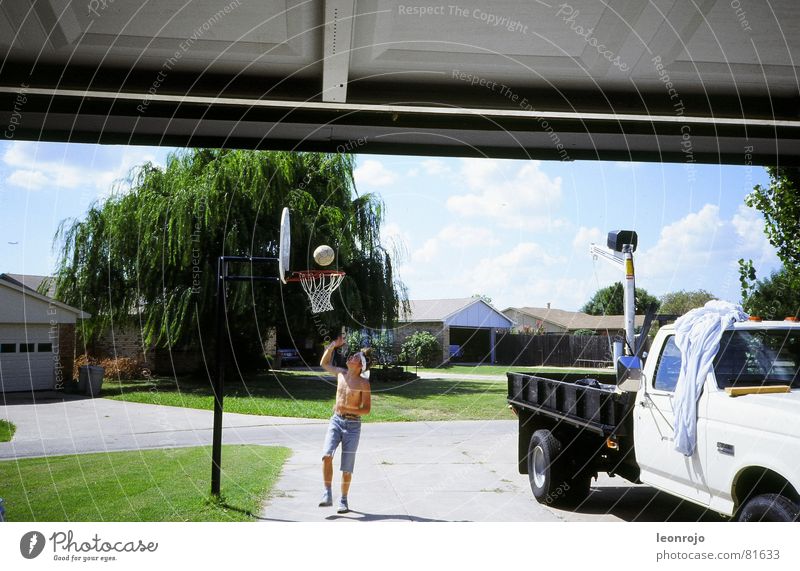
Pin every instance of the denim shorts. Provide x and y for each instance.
(346, 432)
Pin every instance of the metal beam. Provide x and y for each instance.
(341, 107)
(337, 45)
(99, 116)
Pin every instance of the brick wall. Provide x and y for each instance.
(436, 329)
(126, 341)
(66, 353)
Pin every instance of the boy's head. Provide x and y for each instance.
(359, 360)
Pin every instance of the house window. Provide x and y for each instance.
(27, 347)
(45, 348)
(8, 347)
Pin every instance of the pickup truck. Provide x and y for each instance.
(746, 464)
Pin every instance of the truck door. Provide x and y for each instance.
(661, 465)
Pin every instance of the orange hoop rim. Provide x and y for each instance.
(300, 275)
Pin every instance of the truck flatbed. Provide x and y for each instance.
(596, 407)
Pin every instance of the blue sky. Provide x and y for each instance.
(517, 231)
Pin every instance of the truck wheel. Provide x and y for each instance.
(769, 507)
(550, 478)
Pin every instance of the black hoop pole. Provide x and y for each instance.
(219, 382)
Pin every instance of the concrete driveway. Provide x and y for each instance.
(415, 471)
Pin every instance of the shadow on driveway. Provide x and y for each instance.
(39, 397)
(643, 503)
(362, 516)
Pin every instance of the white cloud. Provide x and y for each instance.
(702, 249)
(372, 173)
(585, 237)
(512, 267)
(562, 292)
(32, 167)
(686, 244)
(435, 167)
(454, 241)
(525, 273)
(517, 197)
(749, 225)
(28, 179)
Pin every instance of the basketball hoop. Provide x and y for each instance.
(318, 285)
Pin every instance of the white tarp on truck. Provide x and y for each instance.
(698, 335)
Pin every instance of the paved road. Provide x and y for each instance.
(415, 471)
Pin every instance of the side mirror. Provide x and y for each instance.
(629, 374)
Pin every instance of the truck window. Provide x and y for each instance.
(754, 357)
(669, 367)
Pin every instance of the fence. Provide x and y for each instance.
(555, 350)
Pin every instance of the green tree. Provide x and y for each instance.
(421, 349)
(779, 295)
(150, 254)
(776, 297)
(780, 204)
(679, 302)
(609, 301)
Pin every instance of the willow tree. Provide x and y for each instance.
(149, 254)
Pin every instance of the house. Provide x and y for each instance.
(559, 321)
(37, 336)
(470, 324)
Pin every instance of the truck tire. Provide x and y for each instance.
(552, 482)
(769, 507)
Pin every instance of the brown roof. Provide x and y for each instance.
(572, 320)
(31, 282)
(435, 309)
(440, 310)
(8, 282)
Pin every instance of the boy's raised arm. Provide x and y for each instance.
(327, 357)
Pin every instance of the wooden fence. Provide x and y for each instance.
(555, 350)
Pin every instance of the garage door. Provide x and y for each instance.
(26, 358)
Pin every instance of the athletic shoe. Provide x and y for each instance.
(343, 509)
(327, 499)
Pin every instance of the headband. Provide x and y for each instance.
(363, 361)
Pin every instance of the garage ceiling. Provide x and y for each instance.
(704, 81)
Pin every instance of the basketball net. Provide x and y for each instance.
(319, 285)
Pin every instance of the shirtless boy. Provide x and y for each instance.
(353, 400)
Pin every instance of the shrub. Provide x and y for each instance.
(124, 369)
(379, 341)
(355, 340)
(382, 346)
(421, 349)
(583, 332)
(119, 368)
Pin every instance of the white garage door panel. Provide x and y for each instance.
(26, 371)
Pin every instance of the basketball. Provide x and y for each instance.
(324, 255)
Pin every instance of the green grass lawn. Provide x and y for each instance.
(309, 395)
(6, 430)
(148, 485)
(503, 369)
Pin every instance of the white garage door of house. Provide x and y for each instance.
(26, 358)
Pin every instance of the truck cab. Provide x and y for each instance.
(747, 457)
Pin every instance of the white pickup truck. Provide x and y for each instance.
(747, 460)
